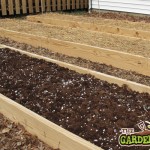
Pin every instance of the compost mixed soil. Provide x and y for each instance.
(15, 137)
(107, 69)
(93, 109)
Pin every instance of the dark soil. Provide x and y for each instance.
(120, 16)
(107, 69)
(14, 137)
(93, 109)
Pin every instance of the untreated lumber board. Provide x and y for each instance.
(77, 4)
(86, 4)
(68, 4)
(10, 7)
(3, 7)
(118, 59)
(110, 79)
(37, 7)
(63, 4)
(58, 4)
(53, 5)
(94, 27)
(73, 4)
(48, 132)
(48, 5)
(30, 6)
(17, 6)
(43, 5)
(24, 7)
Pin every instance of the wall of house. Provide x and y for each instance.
(134, 6)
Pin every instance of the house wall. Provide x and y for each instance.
(134, 6)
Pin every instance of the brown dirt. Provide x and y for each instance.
(125, 44)
(88, 107)
(129, 75)
(14, 137)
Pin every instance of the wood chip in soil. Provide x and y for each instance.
(93, 109)
(107, 69)
(14, 137)
(103, 40)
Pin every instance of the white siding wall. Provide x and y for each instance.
(135, 6)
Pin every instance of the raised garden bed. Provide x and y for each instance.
(97, 19)
(80, 103)
(103, 40)
(110, 57)
(13, 136)
(107, 69)
(91, 27)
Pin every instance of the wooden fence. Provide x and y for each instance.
(16, 7)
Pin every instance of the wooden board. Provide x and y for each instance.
(117, 59)
(81, 4)
(63, 4)
(10, 7)
(48, 5)
(30, 5)
(3, 7)
(48, 132)
(24, 7)
(73, 4)
(17, 6)
(68, 5)
(37, 7)
(86, 4)
(110, 79)
(95, 27)
(43, 5)
(77, 4)
(53, 5)
(58, 4)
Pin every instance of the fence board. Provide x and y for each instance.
(53, 5)
(68, 4)
(10, 7)
(24, 7)
(30, 6)
(58, 4)
(77, 4)
(37, 8)
(81, 4)
(73, 4)
(86, 3)
(63, 4)
(48, 5)
(43, 5)
(3, 7)
(17, 6)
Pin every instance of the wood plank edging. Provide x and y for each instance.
(115, 58)
(110, 79)
(48, 132)
(93, 27)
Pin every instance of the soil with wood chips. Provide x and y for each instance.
(15, 137)
(93, 109)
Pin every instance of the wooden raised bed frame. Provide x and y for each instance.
(117, 59)
(92, 26)
(47, 131)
